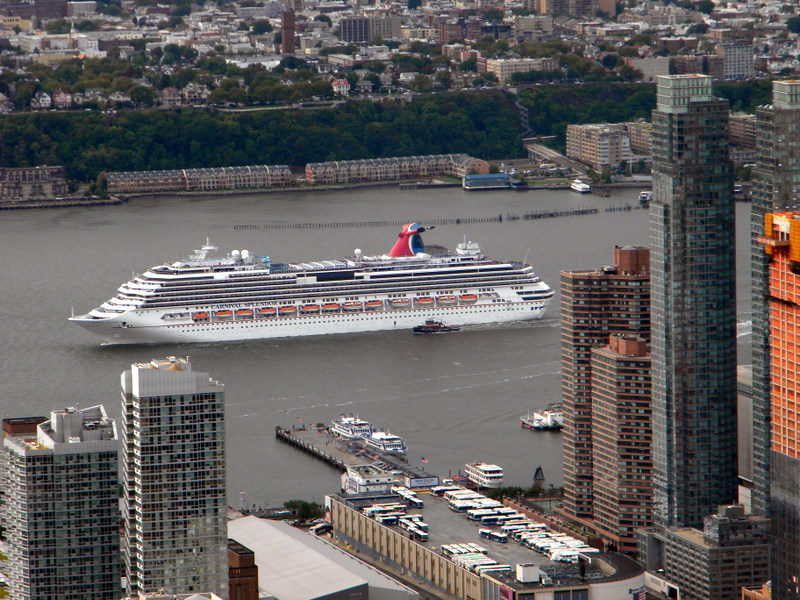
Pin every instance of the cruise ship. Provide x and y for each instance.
(242, 296)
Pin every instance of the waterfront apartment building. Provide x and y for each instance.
(214, 178)
(622, 485)
(595, 304)
(32, 183)
(693, 304)
(601, 146)
(173, 470)
(61, 511)
(395, 168)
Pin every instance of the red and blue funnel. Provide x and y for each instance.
(409, 242)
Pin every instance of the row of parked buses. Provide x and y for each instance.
(415, 526)
(510, 523)
(473, 557)
(410, 496)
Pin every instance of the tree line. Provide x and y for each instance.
(484, 124)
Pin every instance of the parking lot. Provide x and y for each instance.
(449, 527)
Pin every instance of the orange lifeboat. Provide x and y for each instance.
(330, 307)
(468, 299)
(223, 314)
(374, 304)
(267, 311)
(309, 308)
(351, 306)
(286, 311)
(200, 316)
(423, 302)
(400, 302)
(446, 300)
(244, 312)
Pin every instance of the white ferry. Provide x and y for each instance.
(484, 475)
(351, 427)
(645, 197)
(242, 296)
(386, 442)
(580, 187)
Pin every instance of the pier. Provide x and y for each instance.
(341, 454)
(539, 214)
(323, 447)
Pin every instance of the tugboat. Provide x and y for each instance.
(433, 326)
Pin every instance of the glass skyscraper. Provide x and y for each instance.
(693, 304)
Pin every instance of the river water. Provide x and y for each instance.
(455, 398)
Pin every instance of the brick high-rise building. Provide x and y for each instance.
(61, 510)
(173, 470)
(594, 305)
(288, 33)
(622, 485)
(693, 307)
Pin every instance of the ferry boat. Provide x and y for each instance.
(580, 187)
(386, 442)
(484, 475)
(351, 428)
(645, 197)
(433, 326)
(200, 299)
(549, 419)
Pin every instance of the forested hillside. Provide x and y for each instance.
(485, 124)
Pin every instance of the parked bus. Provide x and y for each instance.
(497, 536)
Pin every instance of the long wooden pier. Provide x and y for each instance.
(328, 453)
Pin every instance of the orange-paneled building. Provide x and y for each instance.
(781, 240)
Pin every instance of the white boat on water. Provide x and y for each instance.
(383, 441)
(484, 475)
(350, 427)
(580, 187)
(243, 296)
(549, 419)
(645, 197)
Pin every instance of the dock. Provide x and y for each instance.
(341, 454)
(323, 447)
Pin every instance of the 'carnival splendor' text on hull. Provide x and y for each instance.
(241, 296)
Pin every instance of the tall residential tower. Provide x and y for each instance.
(595, 304)
(693, 304)
(61, 508)
(173, 469)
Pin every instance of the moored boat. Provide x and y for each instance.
(468, 298)
(352, 306)
(484, 475)
(580, 187)
(351, 427)
(400, 302)
(287, 311)
(552, 418)
(331, 307)
(386, 442)
(446, 300)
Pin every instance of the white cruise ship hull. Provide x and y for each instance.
(148, 327)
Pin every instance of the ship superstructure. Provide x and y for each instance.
(243, 296)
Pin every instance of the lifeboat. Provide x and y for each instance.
(244, 312)
(468, 298)
(330, 307)
(446, 300)
(200, 316)
(267, 311)
(423, 302)
(309, 308)
(223, 314)
(400, 303)
(287, 311)
(351, 306)
(374, 304)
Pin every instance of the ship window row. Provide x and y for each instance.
(417, 281)
(291, 283)
(256, 296)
